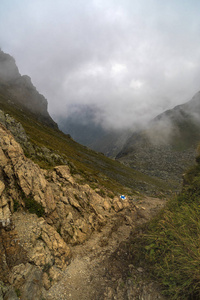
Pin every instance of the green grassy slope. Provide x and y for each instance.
(94, 167)
(188, 133)
(169, 246)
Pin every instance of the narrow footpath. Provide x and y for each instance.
(101, 269)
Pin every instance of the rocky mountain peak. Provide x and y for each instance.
(8, 69)
(21, 91)
(191, 107)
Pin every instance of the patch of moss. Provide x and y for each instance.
(16, 205)
(46, 267)
(76, 197)
(18, 293)
(33, 206)
(101, 192)
(59, 229)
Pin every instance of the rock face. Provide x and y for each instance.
(35, 247)
(20, 89)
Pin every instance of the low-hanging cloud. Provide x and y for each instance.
(130, 59)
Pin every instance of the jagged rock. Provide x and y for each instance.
(54, 274)
(28, 280)
(41, 153)
(29, 176)
(41, 255)
(61, 252)
(3, 290)
(51, 276)
(64, 172)
(67, 231)
(15, 128)
(44, 246)
(2, 187)
(10, 294)
(46, 281)
(117, 204)
(5, 214)
(11, 253)
(107, 205)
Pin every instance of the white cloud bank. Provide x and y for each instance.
(130, 59)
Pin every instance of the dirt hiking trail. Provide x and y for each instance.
(101, 268)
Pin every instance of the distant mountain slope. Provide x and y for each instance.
(111, 142)
(168, 146)
(20, 90)
(81, 124)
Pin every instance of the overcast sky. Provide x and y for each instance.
(131, 59)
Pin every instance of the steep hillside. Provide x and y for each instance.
(49, 147)
(168, 146)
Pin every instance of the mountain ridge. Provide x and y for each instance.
(20, 90)
(167, 147)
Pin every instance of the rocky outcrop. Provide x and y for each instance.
(17, 171)
(36, 247)
(30, 149)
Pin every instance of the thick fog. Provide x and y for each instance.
(129, 59)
